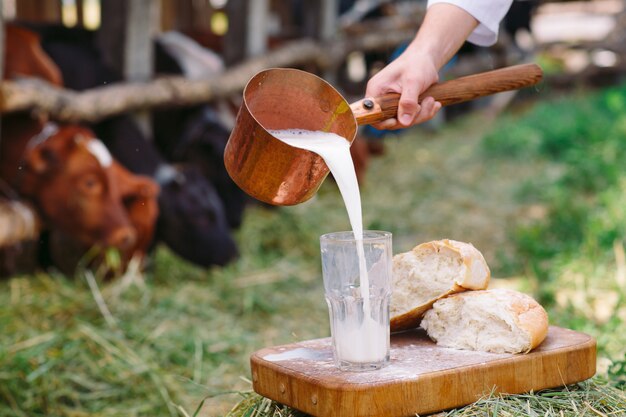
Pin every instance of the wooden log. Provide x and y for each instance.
(99, 103)
(18, 222)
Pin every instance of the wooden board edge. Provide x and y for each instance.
(308, 395)
(564, 372)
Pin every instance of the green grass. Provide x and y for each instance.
(575, 250)
(542, 196)
(589, 398)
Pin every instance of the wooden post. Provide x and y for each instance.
(319, 21)
(236, 37)
(184, 14)
(247, 30)
(142, 21)
(111, 33)
(39, 10)
(80, 21)
(1, 52)
(256, 41)
(319, 18)
(126, 40)
(329, 11)
(170, 14)
(311, 13)
(126, 36)
(1, 42)
(328, 26)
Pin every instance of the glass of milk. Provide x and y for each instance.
(357, 284)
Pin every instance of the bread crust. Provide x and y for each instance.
(531, 317)
(527, 313)
(476, 277)
(412, 318)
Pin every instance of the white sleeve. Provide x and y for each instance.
(488, 13)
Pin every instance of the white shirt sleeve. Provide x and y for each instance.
(488, 13)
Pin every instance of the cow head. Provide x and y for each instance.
(202, 143)
(139, 197)
(79, 189)
(192, 221)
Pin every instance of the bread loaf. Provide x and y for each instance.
(499, 320)
(429, 272)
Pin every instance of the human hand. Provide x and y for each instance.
(409, 75)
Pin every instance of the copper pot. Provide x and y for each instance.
(280, 98)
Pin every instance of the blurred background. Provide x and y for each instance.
(137, 278)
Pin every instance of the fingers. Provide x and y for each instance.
(403, 77)
(428, 109)
(408, 108)
(389, 124)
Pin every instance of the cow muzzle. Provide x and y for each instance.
(122, 238)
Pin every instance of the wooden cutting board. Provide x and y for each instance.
(421, 378)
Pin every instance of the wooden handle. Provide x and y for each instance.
(374, 110)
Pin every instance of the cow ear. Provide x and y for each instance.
(41, 159)
(80, 138)
(38, 163)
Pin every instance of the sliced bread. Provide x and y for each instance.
(499, 321)
(429, 272)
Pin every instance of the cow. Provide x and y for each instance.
(77, 187)
(193, 221)
(197, 134)
(202, 141)
(67, 173)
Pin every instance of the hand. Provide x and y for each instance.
(441, 34)
(410, 74)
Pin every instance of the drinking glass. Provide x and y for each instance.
(357, 285)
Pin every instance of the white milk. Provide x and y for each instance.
(355, 341)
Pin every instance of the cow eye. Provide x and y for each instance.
(91, 185)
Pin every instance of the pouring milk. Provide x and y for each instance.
(360, 341)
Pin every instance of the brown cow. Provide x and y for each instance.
(78, 188)
(73, 180)
(80, 192)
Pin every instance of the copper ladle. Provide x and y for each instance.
(280, 98)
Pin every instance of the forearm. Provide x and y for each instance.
(442, 33)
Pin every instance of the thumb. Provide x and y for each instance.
(408, 106)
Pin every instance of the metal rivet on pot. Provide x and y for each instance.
(368, 104)
(282, 388)
(314, 399)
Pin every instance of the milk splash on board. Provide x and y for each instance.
(363, 341)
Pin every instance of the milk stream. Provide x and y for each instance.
(355, 341)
